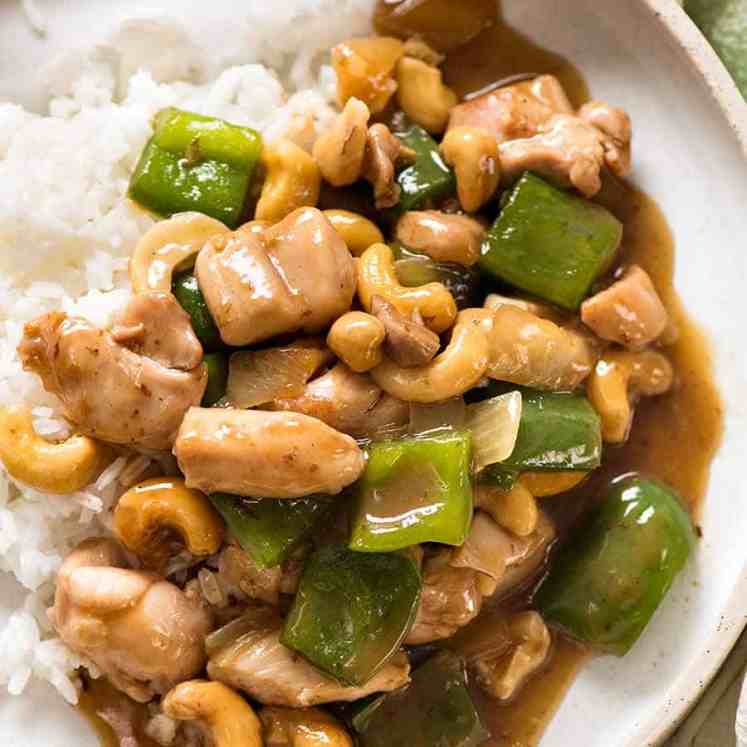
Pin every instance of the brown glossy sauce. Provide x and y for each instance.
(674, 437)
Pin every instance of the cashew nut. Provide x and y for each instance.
(227, 717)
(473, 152)
(458, 368)
(421, 50)
(150, 514)
(541, 484)
(356, 338)
(340, 151)
(514, 509)
(357, 231)
(168, 245)
(50, 467)
(377, 277)
(616, 383)
(443, 237)
(422, 94)
(292, 180)
(302, 727)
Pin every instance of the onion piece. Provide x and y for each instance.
(487, 548)
(256, 377)
(495, 426)
(427, 419)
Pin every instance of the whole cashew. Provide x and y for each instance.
(514, 509)
(302, 727)
(356, 338)
(149, 514)
(357, 231)
(292, 181)
(422, 94)
(377, 277)
(542, 484)
(229, 719)
(253, 228)
(339, 152)
(458, 368)
(616, 383)
(473, 152)
(50, 467)
(168, 245)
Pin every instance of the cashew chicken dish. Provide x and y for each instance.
(386, 399)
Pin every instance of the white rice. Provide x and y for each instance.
(67, 229)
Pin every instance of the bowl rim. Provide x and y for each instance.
(701, 56)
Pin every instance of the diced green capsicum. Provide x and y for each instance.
(607, 582)
(199, 163)
(550, 243)
(268, 529)
(425, 181)
(415, 269)
(352, 611)
(190, 297)
(557, 431)
(434, 710)
(414, 490)
(217, 368)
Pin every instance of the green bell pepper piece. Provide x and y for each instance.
(557, 431)
(607, 582)
(188, 293)
(217, 368)
(434, 710)
(414, 490)
(550, 243)
(269, 529)
(196, 163)
(414, 269)
(428, 179)
(352, 611)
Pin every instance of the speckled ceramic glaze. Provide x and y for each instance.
(690, 154)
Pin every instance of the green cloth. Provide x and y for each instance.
(724, 22)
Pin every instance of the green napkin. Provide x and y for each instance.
(724, 22)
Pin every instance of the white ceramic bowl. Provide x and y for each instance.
(690, 135)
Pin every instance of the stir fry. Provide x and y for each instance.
(367, 410)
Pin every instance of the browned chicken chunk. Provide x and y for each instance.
(264, 454)
(297, 275)
(629, 312)
(614, 125)
(109, 391)
(408, 343)
(139, 629)
(515, 111)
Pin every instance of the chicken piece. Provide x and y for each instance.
(614, 124)
(297, 275)
(503, 670)
(408, 343)
(340, 398)
(450, 598)
(264, 454)
(535, 352)
(109, 391)
(140, 630)
(492, 563)
(515, 111)
(629, 312)
(154, 325)
(443, 237)
(244, 579)
(256, 662)
(383, 152)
